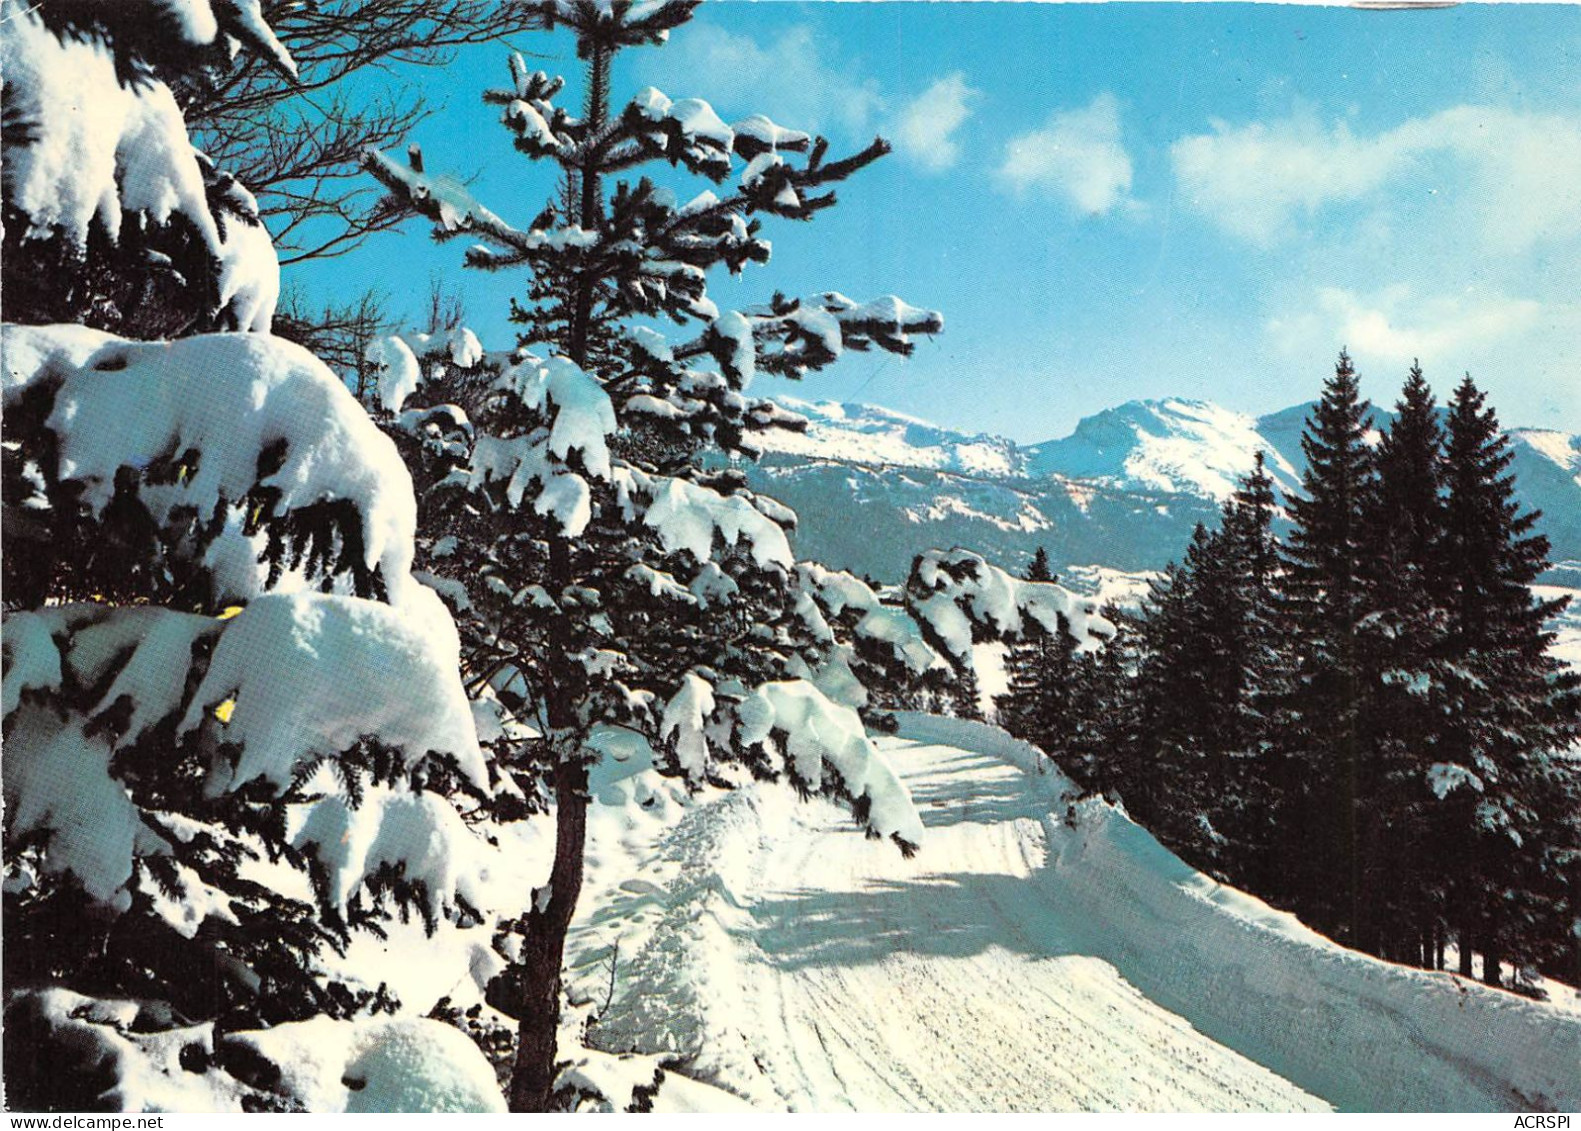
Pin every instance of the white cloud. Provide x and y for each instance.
(1506, 177)
(1396, 325)
(1077, 155)
(789, 79)
(924, 130)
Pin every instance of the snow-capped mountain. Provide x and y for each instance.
(871, 435)
(1124, 489)
(1174, 446)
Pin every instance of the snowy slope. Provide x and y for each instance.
(1173, 446)
(1547, 470)
(869, 434)
(1125, 488)
(1032, 957)
(1567, 625)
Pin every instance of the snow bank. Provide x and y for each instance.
(126, 1056)
(377, 1065)
(1364, 1034)
(602, 1082)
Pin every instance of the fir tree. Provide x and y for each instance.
(1512, 707)
(1116, 768)
(1401, 643)
(1027, 665)
(1039, 569)
(1258, 659)
(636, 586)
(234, 734)
(1323, 607)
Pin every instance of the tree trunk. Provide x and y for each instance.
(1465, 951)
(1491, 964)
(534, 987)
(543, 954)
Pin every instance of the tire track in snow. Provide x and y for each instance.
(803, 966)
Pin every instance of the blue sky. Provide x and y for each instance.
(1114, 201)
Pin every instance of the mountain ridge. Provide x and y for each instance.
(1124, 489)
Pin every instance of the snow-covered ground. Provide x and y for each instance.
(1034, 955)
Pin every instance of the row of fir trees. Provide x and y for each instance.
(1348, 704)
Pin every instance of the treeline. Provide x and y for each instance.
(1360, 721)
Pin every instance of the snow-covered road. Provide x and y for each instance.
(1022, 963)
(941, 983)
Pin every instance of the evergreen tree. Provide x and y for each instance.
(1257, 660)
(1324, 604)
(1116, 743)
(1039, 569)
(1512, 707)
(234, 734)
(1028, 664)
(1402, 646)
(634, 585)
(1190, 682)
(964, 698)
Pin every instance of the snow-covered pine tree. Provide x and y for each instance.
(1513, 710)
(233, 728)
(1260, 659)
(1016, 710)
(111, 219)
(1402, 649)
(1324, 602)
(634, 585)
(1116, 732)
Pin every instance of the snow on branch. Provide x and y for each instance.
(542, 129)
(962, 599)
(396, 369)
(797, 335)
(93, 148)
(840, 595)
(86, 148)
(795, 729)
(792, 721)
(309, 675)
(690, 517)
(152, 27)
(610, 23)
(578, 420)
(454, 210)
(224, 436)
(291, 681)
